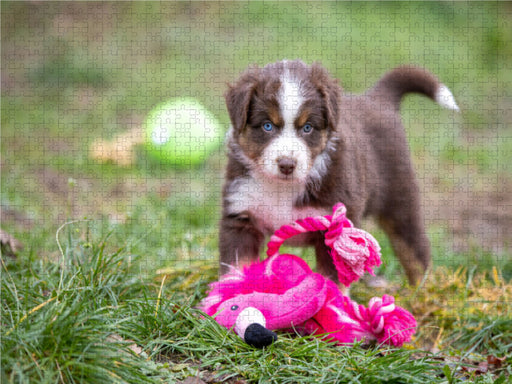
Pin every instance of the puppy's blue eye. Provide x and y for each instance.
(268, 127)
(307, 128)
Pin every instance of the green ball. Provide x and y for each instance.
(181, 132)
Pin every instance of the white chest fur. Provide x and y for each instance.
(270, 201)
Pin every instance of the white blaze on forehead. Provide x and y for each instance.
(290, 98)
(287, 143)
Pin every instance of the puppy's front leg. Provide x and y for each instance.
(324, 263)
(240, 241)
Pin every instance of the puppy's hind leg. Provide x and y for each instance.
(409, 241)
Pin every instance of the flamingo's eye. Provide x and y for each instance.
(234, 307)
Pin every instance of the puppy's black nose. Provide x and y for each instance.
(286, 165)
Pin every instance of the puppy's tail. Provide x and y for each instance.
(410, 79)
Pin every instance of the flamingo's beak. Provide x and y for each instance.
(250, 326)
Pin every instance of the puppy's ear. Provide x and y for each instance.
(238, 98)
(331, 94)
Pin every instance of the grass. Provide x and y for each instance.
(113, 300)
(89, 316)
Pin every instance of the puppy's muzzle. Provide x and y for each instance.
(286, 165)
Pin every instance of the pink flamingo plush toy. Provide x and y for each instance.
(282, 292)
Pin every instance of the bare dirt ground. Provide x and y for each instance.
(472, 219)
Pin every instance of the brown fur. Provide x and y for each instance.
(370, 170)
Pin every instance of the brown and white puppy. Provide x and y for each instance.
(298, 145)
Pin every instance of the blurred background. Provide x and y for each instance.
(78, 74)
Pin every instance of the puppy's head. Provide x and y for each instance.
(283, 117)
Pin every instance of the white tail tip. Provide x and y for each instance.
(445, 98)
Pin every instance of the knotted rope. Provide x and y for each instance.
(353, 250)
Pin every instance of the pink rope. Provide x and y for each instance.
(353, 250)
(310, 224)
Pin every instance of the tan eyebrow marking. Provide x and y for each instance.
(275, 116)
(302, 118)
